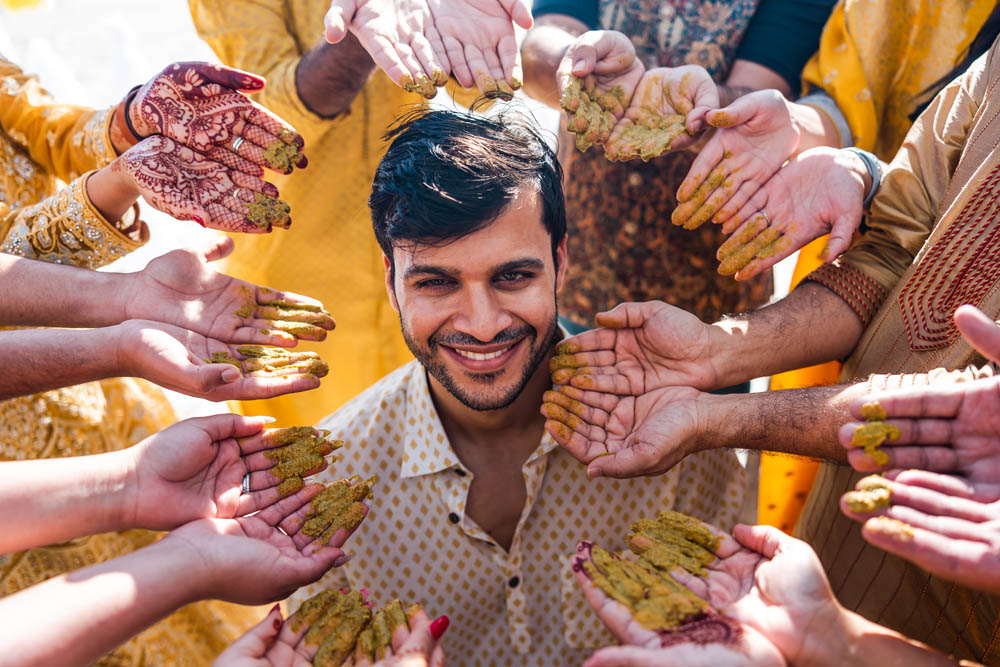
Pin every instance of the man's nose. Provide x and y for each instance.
(481, 315)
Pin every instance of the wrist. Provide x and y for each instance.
(869, 168)
(111, 191)
(725, 354)
(178, 555)
(133, 118)
(830, 639)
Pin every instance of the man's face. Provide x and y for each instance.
(480, 313)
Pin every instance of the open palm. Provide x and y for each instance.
(181, 288)
(624, 436)
(640, 347)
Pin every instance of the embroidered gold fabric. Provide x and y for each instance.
(40, 142)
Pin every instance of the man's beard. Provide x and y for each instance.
(428, 358)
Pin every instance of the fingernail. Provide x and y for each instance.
(268, 420)
(578, 65)
(198, 220)
(230, 375)
(276, 607)
(341, 560)
(438, 626)
(593, 473)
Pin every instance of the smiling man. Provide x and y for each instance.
(476, 508)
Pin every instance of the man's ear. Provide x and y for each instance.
(390, 287)
(562, 262)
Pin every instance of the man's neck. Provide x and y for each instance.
(510, 433)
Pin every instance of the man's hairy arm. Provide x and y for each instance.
(330, 76)
(810, 326)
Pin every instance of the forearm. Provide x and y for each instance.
(330, 76)
(822, 326)
(75, 618)
(801, 422)
(47, 501)
(40, 293)
(858, 641)
(543, 48)
(111, 193)
(44, 359)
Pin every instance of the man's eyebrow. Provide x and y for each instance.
(520, 264)
(428, 269)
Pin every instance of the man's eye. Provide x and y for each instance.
(513, 277)
(434, 283)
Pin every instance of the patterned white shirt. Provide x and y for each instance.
(520, 607)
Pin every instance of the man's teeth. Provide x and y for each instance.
(481, 357)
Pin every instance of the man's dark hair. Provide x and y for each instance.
(448, 174)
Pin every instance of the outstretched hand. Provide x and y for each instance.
(417, 43)
(182, 361)
(639, 347)
(201, 106)
(755, 135)
(624, 436)
(194, 470)
(180, 288)
(257, 559)
(820, 191)
(770, 584)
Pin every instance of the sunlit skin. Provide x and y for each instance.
(491, 291)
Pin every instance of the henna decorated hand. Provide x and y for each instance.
(665, 113)
(189, 363)
(198, 105)
(417, 43)
(194, 470)
(639, 347)
(755, 136)
(770, 584)
(180, 288)
(820, 191)
(596, 78)
(187, 185)
(625, 436)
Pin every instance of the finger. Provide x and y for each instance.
(768, 256)
(707, 160)
(338, 19)
(740, 111)
(257, 641)
(304, 542)
(951, 485)
(911, 432)
(428, 59)
(234, 162)
(255, 184)
(212, 248)
(713, 204)
(579, 447)
(589, 427)
(224, 426)
(229, 77)
(935, 459)
(744, 192)
(765, 540)
(599, 380)
(597, 358)
(622, 316)
(410, 61)
(981, 331)
(257, 386)
(941, 402)
(267, 121)
(440, 56)
(388, 59)
(480, 69)
(840, 237)
(580, 59)
(687, 208)
(636, 458)
(276, 513)
(748, 231)
(456, 58)
(743, 256)
(581, 402)
(510, 61)
(519, 11)
(934, 503)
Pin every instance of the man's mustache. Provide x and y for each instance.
(505, 336)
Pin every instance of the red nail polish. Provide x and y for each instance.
(438, 626)
(198, 220)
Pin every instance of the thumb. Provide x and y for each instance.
(840, 237)
(624, 316)
(214, 247)
(981, 331)
(737, 113)
(582, 57)
(338, 20)
(212, 376)
(765, 540)
(520, 13)
(257, 640)
(230, 77)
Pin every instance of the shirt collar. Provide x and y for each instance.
(426, 448)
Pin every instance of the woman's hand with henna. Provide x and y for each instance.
(187, 185)
(199, 105)
(755, 135)
(820, 191)
(181, 288)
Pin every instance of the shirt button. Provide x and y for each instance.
(514, 581)
(459, 472)
(453, 517)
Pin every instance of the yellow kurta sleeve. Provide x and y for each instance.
(256, 37)
(64, 139)
(906, 208)
(66, 229)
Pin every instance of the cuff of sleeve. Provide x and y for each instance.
(129, 232)
(822, 102)
(861, 293)
(97, 137)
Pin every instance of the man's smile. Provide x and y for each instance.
(483, 358)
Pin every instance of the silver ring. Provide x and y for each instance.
(236, 194)
(764, 213)
(245, 487)
(237, 142)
